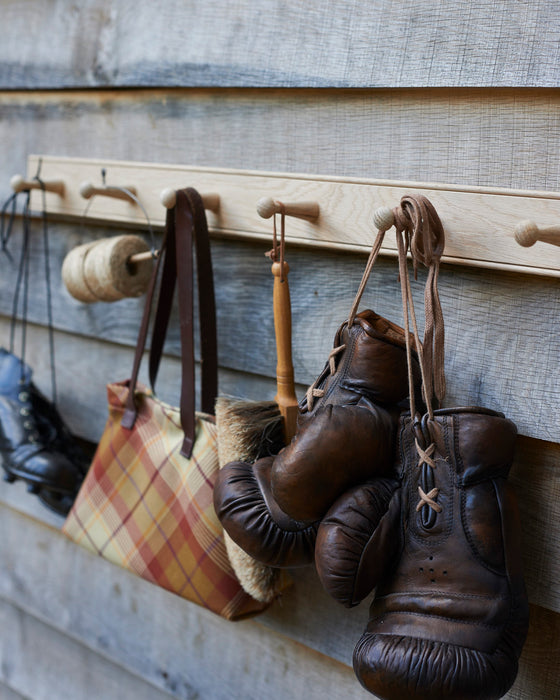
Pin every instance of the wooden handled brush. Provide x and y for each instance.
(248, 430)
(285, 386)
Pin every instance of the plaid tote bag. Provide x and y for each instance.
(147, 500)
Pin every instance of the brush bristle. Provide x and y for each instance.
(247, 429)
(260, 581)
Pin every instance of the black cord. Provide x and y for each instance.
(50, 323)
(22, 283)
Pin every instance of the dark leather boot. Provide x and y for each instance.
(347, 420)
(28, 442)
(450, 622)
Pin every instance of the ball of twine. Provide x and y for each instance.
(73, 273)
(102, 272)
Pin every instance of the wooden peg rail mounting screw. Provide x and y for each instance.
(527, 233)
(267, 207)
(19, 184)
(211, 201)
(88, 190)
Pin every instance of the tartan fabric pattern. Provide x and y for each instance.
(148, 509)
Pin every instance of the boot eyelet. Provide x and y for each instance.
(27, 424)
(33, 438)
(24, 411)
(23, 396)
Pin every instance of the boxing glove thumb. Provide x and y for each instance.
(358, 540)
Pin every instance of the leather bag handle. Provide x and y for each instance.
(185, 225)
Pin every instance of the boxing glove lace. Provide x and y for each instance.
(451, 620)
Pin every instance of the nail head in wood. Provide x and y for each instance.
(267, 207)
(383, 218)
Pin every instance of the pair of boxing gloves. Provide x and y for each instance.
(346, 428)
(416, 507)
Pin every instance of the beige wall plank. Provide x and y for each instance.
(271, 43)
(479, 222)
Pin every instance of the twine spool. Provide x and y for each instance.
(101, 272)
(73, 273)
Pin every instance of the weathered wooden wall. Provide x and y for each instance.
(455, 92)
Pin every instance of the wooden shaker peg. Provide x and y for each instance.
(88, 190)
(383, 218)
(267, 207)
(18, 184)
(211, 201)
(527, 233)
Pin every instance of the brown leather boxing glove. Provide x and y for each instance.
(249, 514)
(358, 540)
(450, 622)
(346, 423)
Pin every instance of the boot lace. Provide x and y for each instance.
(427, 499)
(314, 393)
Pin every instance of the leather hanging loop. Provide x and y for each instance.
(420, 231)
(185, 226)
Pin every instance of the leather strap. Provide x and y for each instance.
(185, 225)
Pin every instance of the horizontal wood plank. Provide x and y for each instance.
(493, 321)
(171, 643)
(84, 366)
(421, 43)
(495, 138)
(142, 628)
(536, 478)
(9, 694)
(539, 666)
(40, 663)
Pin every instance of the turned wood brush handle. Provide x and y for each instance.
(286, 394)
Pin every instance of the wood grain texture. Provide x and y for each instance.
(84, 366)
(536, 477)
(40, 663)
(539, 666)
(479, 223)
(173, 644)
(493, 320)
(272, 43)
(495, 138)
(9, 694)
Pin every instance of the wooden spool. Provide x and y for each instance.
(102, 271)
